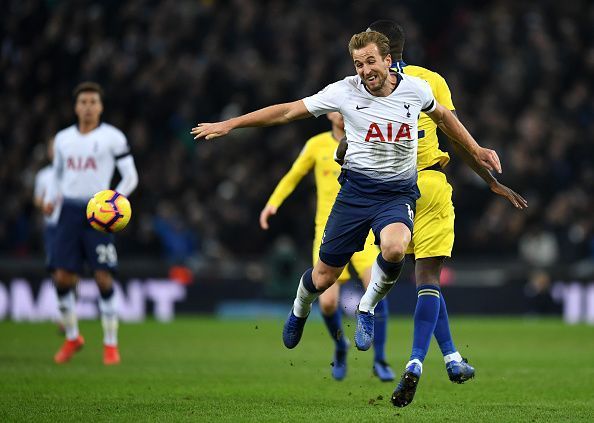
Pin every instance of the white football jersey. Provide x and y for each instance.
(84, 163)
(381, 131)
(43, 179)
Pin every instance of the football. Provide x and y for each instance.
(108, 211)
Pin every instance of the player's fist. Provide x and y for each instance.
(265, 214)
(48, 208)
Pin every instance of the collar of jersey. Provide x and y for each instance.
(398, 66)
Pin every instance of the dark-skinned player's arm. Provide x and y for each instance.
(498, 188)
(340, 151)
(278, 114)
(453, 128)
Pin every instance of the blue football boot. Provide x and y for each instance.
(339, 365)
(293, 330)
(364, 331)
(405, 391)
(460, 371)
(383, 371)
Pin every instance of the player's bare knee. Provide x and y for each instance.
(393, 251)
(65, 279)
(328, 307)
(103, 279)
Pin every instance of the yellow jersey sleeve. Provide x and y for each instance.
(299, 169)
(442, 92)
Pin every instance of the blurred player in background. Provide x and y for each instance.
(433, 237)
(43, 179)
(379, 188)
(318, 154)
(85, 156)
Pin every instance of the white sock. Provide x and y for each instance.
(452, 357)
(303, 300)
(416, 360)
(109, 320)
(379, 286)
(67, 304)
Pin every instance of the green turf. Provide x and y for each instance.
(208, 370)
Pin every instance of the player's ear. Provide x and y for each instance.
(388, 60)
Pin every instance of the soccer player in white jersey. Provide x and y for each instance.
(85, 156)
(378, 180)
(43, 179)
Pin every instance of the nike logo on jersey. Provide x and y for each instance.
(361, 108)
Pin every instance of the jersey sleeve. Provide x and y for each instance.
(120, 147)
(328, 100)
(442, 93)
(428, 103)
(299, 169)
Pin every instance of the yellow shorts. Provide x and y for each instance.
(361, 260)
(433, 234)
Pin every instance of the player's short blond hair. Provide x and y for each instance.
(363, 39)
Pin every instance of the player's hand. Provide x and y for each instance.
(340, 151)
(209, 131)
(513, 197)
(489, 159)
(265, 214)
(48, 208)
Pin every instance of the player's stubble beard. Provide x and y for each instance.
(382, 81)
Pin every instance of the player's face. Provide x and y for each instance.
(88, 107)
(371, 68)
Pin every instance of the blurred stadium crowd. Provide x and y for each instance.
(521, 73)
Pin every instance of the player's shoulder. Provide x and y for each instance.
(416, 81)
(433, 78)
(111, 130)
(65, 133)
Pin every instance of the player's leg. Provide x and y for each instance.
(333, 320)
(344, 233)
(65, 284)
(433, 237)
(362, 261)
(102, 258)
(312, 284)
(459, 371)
(394, 239)
(67, 259)
(109, 316)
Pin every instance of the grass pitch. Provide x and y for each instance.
(202, 369)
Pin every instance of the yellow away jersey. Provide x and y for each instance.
(429, 152)
(318, 153)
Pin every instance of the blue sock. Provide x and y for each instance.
(442, 330)
(426, 313)
(380, 330)
(334, 325)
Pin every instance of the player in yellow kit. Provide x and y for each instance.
(318, 154)
(433, 237)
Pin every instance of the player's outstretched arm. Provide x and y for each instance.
(267, 211)
(498, 188)
(279, 114)
(453, 128)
